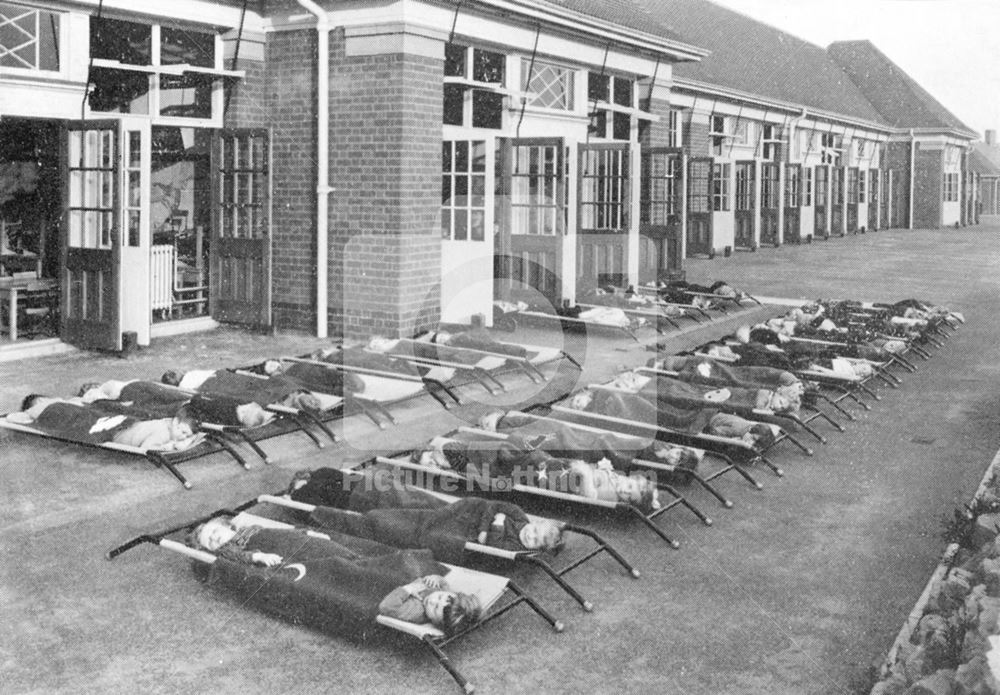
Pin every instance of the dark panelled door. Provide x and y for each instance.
(793, 200)
(602, 216)
(699, 217)
(240, 254)
(770, 182)
(746, 183)
(660, 204)
(91, 314)
(531, 219)
(874, 199)
(821, 198)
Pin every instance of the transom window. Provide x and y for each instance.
(831, 147)
(793, 186)
(675, 136)
(550, 86)
(29, 38)
(474, 87)
(463, 190)
(771, 138)
(769, 186)
(152, 70)
(612, 106)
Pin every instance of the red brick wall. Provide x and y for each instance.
(657, 133)
(385, 239)
(928, 188)
(696, 138)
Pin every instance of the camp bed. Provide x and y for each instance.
(432, 474)
(269, 589)
(472, 550)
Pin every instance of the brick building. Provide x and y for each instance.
(984, 163)
(349, 169)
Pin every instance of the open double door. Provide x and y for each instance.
(106, 231)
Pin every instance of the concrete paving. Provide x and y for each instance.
(798, 589)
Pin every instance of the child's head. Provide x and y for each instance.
(183, 425)
(212, 535)
(541, 534)
(172, 377)
(452, 612)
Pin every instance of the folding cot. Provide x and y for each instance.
(680, 394)
(338, 597)
(460, 550)
(570, 321)
(488, 486)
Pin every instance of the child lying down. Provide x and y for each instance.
(351, 580)
(75, 419)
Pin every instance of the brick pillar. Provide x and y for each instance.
(385, 167)
(928, 187)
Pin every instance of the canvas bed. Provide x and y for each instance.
(341, 597)
(427, 475)
(450, 549)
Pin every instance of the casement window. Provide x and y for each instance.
(862, 191)
(793, 186)
(720, 187)
(720, 132)
(771, 138)
(548, 86)
(807, 187)
(463, 190)
(699, 190)
(951, 188)
(30, 39)
(153, 70)
(662, 188)
(474, 87)
(612, 106)
(769, 183)
(860, 149)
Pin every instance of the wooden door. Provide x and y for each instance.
(699, 217)
(874, 199)
(746, 204)
(770, 182)
(792, 233)
(603, 221)
(660, 214)
(821, 199)
(837, 201)
(531, 219)
(91, 310)
(240, 251)
(853, 199)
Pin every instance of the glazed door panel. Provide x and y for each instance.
(793, 199)
(745, 213)
(821, 198)
(660, 213)
(770, 182)
(603, 221)
(699, 218)
(91, 277)
(240, 252)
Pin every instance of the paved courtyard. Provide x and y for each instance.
(797, 590)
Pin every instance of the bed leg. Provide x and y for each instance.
(656, 529)
(177, 474)
(836, 406)
(905, 363)
(312, 417)
(556, 625)
(557, 578)
(447, 665)
(254, 445)
(139, 540)
(767, 462)
(572, 360)
(820, 414)
(923, 354)
(308, 432)
(231, 450)
(486, 377)
(805, 426)
(602, 545)
(680, 499)
(710, 489)
(731, 466)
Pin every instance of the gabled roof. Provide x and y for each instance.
(626, 13)
(900, 100)
(985, 159)
(756, 58)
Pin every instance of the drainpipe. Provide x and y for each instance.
(322, 160)
(913, 173)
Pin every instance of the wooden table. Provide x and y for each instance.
(12, 288)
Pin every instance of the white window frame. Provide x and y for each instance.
(62, 42)
(471, 86)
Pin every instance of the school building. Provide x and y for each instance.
(357, 168)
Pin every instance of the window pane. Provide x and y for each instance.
(454, 60)
(623, 91)
(186, 96)
(126, 42)
(179, 46)
(119, 91)
(461, 225)
(488, 66)
(597, 87)
(551, 85)
(454, 104)
(487, 110)
(622, 126)
(29, 38)
(479, 155)
(462, 155)
(477, 232)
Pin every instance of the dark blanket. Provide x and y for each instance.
(711, 373)
(320, 379)
(480, 339)
(335, 586)
(249, 388)
(359, 357)
(88, 424)
(433, 351)
(443, 529)
(679, 394)
(149, 400)
(638, 408)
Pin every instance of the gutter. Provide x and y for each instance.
(322, 162)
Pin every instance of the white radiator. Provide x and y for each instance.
(162, 276)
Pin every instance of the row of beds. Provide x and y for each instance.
(830, 396)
